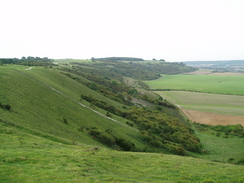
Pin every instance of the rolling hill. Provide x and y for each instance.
(50, 134)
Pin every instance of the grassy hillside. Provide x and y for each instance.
(36, 105)
(219, 146)
(48, 101)
(25, 157)
(48, 134)
(200, 83)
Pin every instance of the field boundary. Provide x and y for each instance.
(195, 91)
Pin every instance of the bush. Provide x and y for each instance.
(102, 137)
(108, 114)
(65, 121)
(218, 134)
(125, 145)
(176, 149)
(230, 160)
(240, 162)
(156, 144)
(129, 123)
(146, 138)
(108, 139)
(6, 107)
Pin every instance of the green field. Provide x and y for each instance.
(206, 102)
(200, 83)
(28, 158)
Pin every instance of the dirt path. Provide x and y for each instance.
(28, 68)
(212, 118)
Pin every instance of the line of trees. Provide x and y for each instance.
(117, 59)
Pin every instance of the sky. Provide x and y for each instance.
(174, 30)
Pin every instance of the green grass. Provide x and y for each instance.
(35, 106)
(219, 148)
(201, 83)
(205, 102)
(27, 158)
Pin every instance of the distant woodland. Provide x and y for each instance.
(28, 61)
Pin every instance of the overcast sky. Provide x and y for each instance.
(174, 30)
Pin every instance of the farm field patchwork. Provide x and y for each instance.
(206, 102)
(200, 83)
(208, 108)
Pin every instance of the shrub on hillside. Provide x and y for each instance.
(240, 162)
(125, 145)
(176, 149)
(6, 107)
(108, 139)
(102, 137)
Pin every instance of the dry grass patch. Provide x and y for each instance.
(213, 118)
(228, 74)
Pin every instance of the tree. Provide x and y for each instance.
(93, 86)
(129, 98)
(132, 92)
(119, 95)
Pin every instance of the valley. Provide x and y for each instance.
(85, 119)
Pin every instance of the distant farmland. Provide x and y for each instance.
(206, 102)
(233, 85)
(208, 99)
(214, 109)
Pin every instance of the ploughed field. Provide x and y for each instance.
(208, 99)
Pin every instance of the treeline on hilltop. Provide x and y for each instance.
(115, 70)
(118, 59)
(139, 71)
(28, 61)
(166, 67)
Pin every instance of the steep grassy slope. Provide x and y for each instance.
(48, 101)
(25, 157)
